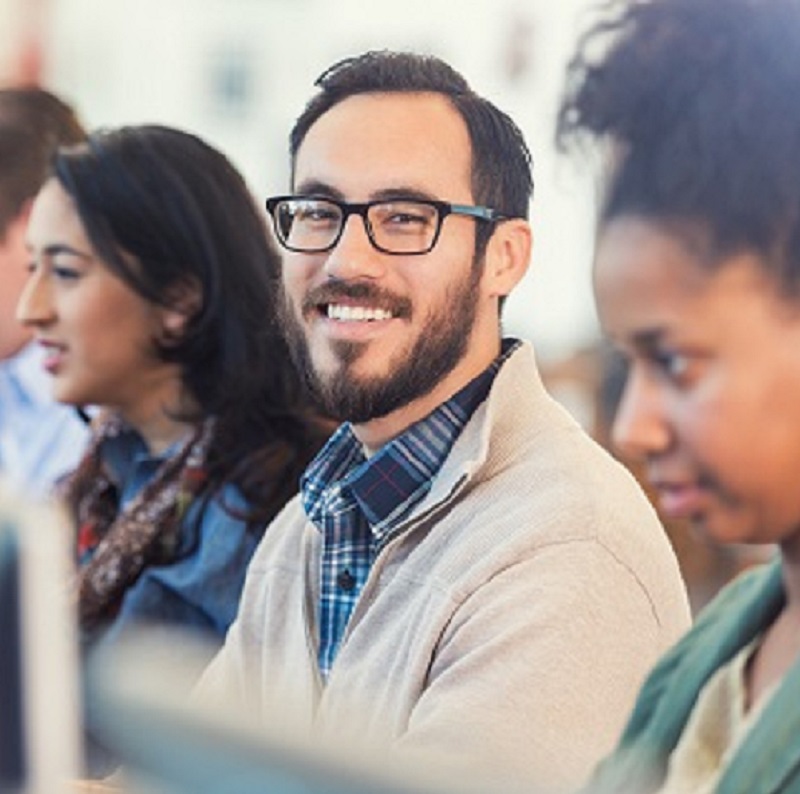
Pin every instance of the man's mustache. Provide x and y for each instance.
(334, 291)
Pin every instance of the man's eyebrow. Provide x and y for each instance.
(315, 187)
(403, 192)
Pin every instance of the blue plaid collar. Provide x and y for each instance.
(389, 483)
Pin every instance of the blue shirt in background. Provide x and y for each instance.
(40, 439)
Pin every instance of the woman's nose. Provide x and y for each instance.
(641, 426)
(35, 305)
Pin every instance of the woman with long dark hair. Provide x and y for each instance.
(151, 289)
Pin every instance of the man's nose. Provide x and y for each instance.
(354, 256)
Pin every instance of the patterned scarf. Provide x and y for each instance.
(114, 545)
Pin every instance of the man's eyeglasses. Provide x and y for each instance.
(308, 224)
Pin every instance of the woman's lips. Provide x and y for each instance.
(680, 500)
(53, 356)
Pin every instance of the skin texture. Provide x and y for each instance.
(713, 354)
(98, 333)
(443, 311)
(712, 401)
(13, 275)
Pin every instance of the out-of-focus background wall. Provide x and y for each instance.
(237, 72)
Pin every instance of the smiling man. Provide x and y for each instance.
(465, 575)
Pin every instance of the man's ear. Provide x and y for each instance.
(508, 255)
(184, 299)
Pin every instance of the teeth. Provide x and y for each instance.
(356, 313)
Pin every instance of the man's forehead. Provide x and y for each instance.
(371, 143)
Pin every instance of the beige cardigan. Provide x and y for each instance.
(505, 631)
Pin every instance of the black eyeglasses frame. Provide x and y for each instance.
(443, 209)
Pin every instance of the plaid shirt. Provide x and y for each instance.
(358, 503)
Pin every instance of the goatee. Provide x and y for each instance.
(413, 371)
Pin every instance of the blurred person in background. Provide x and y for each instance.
(697, 282)
(40, 440)
(151, 290)
(466, 577)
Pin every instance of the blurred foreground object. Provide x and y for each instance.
(39, 738)
(170, 744)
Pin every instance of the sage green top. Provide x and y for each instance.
(768, 757)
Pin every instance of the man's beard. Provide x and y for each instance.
(412, 373)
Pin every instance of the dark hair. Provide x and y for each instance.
(40, 113)
(33, 124)
(501, 161)
(165, 210)
(698, 100)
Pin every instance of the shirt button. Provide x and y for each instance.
(346, 581)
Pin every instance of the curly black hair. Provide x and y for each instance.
(699, 101)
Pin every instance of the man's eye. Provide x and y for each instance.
(315, 215)
(406, 219)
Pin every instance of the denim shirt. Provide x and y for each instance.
(198, 592)
(200, 589)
